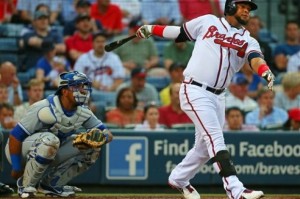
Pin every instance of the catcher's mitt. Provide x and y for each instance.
(95, 138)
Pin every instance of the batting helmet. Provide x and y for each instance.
(230, 6)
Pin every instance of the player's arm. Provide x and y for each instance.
(16, 137)
(169, 32)
(107, 133)
(259, 65)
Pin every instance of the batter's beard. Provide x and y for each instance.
(241, 21)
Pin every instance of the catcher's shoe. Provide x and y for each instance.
(251, 194)
(25, 192)
(5, 190)
(188, 192)
(69, 188)
(55, 191)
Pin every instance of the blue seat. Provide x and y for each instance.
(9, 45)
(158, 82)
(11, 30)
(104, 98)
(23, 78)
(11, 57)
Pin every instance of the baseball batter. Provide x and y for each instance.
(222, 46)
(40, 146)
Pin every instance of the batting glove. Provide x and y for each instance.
(270, 78)
(144, 32)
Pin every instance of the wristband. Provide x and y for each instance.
(158, 30)
(262, 68)
(16, 162)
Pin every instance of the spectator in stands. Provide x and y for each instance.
(7, 9)
(110, 16)
(294, 119)
(161, 12)
(126, 111)
(172, 114)
(81, 7)
(82, 40)
(33, 41)
(3, 93)
(177, 52)
(8, 77)
(30, 27)
(255, 81)
(27, 9)
(267, 116)
(104, 69)
(151, 120)
(59, 65)
(145, 51)
(290, 96)
(35, 92)
(191, 9)
(7, 116)
(176, 76)
(237, 96)
(5, 190)
(254, 26)
(130, 10)
(145, 92)
(294, 63)
(235, 121)
(289, 48)
(44, 64)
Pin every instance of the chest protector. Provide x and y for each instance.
(61, 123)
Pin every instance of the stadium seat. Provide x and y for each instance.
(104, 98)
(23, 78)
(11, 30)
(11, 57)
(158, 82)
(100, 111)
(9, 45)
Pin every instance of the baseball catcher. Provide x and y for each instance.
(44, 150)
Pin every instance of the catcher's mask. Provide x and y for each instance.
(78, 83)
(231, 8)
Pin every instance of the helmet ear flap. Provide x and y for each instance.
(230, 7)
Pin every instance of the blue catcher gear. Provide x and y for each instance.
(79, 83)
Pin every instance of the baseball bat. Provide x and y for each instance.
(116, 44)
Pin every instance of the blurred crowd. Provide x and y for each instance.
(136, 86)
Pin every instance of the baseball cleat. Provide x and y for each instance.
(55, 191)
(188, 192)
(251, 194)
(5, 189)
(25, 192)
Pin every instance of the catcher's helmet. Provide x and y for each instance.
(230, 6)
(75, 79)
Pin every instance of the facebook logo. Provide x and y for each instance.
(127, 158)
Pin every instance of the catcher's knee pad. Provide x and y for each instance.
(227, 167)
(46, 147)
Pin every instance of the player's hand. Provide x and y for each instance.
(270, 78)
(16, 174)
(144, 32)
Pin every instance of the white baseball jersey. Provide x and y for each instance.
(294, 63)
(104, 69)
(220, 49)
